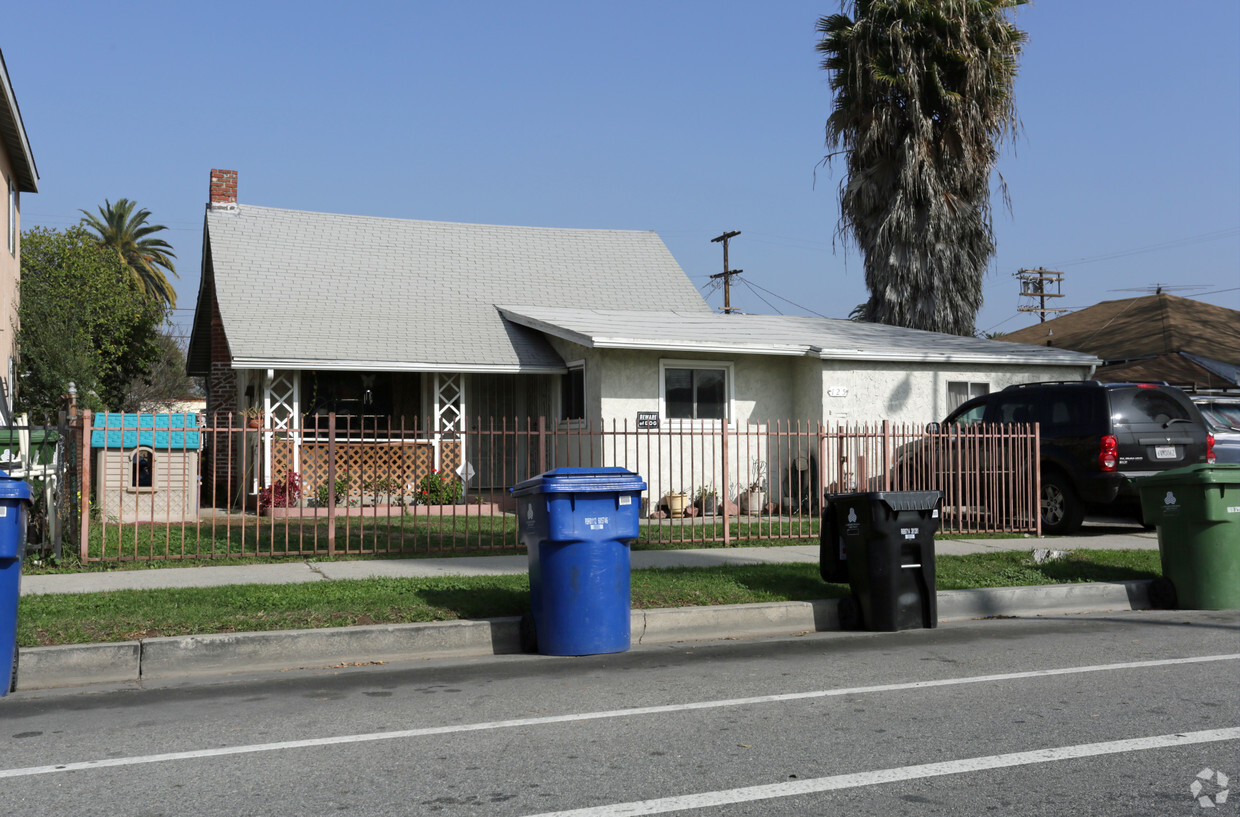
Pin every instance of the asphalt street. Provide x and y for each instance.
(1106, 714)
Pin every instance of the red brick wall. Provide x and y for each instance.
(223, 187)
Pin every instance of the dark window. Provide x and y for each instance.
(362, 401)
(143, 471)
(1144, 406)
(696, 394)
(573, 394)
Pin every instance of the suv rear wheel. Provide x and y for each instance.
(1062, 511)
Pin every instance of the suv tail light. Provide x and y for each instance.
(1210, 448)
(1108, 453)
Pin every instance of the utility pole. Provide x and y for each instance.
(727, 274)
(1034, 283)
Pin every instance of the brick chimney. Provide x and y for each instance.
(223, 189)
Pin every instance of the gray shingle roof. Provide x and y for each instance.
(317, 290)
(826, 338)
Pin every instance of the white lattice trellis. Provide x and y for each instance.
(281, 410)
(449, 411)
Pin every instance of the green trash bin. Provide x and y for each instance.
(1197, 511)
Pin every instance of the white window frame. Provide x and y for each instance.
(973, 388)
(729, 388)
(131, 464)
(12, 216)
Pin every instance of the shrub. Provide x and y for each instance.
(438, 489)
(285, 493)
(341, 494)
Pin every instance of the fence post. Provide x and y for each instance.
(542, 443)
(1033, 455)
(886, 455)
(84, 482)
(331, 485)
(727, 522)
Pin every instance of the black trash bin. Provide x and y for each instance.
(884, 544)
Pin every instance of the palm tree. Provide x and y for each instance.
(120, 228)
(923, 99)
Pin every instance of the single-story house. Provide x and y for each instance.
(1160, 337)
(448, 327)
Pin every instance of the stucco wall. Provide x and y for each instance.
(776, 403)
(917, 394)
(10, 269)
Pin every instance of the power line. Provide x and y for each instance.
(764, 300)
(1166, 245)
(752, 285)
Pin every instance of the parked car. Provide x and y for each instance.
(1222, 413)
(1096, 438)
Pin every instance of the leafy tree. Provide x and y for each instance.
(117, 226)
(84, 320)
(923, 99)
(166, 383)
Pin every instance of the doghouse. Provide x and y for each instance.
(146, 466)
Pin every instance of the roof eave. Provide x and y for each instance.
(16, 141)
(1076, 359)
(310, 364)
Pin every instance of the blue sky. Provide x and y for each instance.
(687, 118)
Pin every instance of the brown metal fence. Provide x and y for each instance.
(366, 486)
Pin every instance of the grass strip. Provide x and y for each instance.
(127, 615)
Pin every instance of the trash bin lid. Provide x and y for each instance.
(1224, 473)
(910, 500)
(13, 487)
(894, 500)
(598, 479)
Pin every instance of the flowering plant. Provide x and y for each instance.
(283, 493)
(439, 489)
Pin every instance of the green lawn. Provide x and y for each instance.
(132, 614)
(383, 536)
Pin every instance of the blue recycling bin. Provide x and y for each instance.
(14, 507)
(577, 524)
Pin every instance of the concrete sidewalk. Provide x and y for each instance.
(161, 660)
(294, 572)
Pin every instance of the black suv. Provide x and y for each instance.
(1096, 438)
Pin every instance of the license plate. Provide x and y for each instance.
(1164, 452)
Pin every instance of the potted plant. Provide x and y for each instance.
(751, 496)
(706, 500)
(254, 417)
(676, 502)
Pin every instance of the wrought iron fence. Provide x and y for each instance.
(42, 454)
(218, 488)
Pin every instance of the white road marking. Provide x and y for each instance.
(714, 799)
(589, 716)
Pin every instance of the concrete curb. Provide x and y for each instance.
(179, 657)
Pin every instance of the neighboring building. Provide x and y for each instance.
(448, 327)
(17, 175)
(1158, 337)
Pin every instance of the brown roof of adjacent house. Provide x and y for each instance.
(1155, 337)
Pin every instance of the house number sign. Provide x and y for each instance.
(648, 419)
